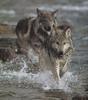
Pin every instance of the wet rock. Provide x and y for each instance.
(8, 49)
(7, 54)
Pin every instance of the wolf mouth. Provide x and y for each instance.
(59, 54)
(55, 53)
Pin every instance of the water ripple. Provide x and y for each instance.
(67, 7)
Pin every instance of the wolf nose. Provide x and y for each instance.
(47, 28)
(60, 53)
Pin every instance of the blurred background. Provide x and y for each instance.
(76, 11)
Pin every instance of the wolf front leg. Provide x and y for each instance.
(58, 70)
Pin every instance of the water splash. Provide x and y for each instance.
(44, 78)
(24, 67)
(67, 80)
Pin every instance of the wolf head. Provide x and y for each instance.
(46, 20)
(61, 43)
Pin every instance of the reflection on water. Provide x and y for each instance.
(16, 83)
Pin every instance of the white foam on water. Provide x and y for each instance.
(44, 78)
(66, 81)
(67, 7)
(9, 12)
(24, 67)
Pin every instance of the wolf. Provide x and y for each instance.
(34, 30)
(60, 48)
(50, 42)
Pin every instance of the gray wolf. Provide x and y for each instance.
(59, 48)
(35, 30)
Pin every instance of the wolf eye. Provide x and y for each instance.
(64, 43)
(57, 43)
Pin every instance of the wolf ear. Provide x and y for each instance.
(39, 12)
(55, 12)
(68, 33)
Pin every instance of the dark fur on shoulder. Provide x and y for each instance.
(22, 26)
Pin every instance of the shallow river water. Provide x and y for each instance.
(17, 84)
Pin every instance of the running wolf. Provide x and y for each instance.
(35, 30)
(60, 48)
